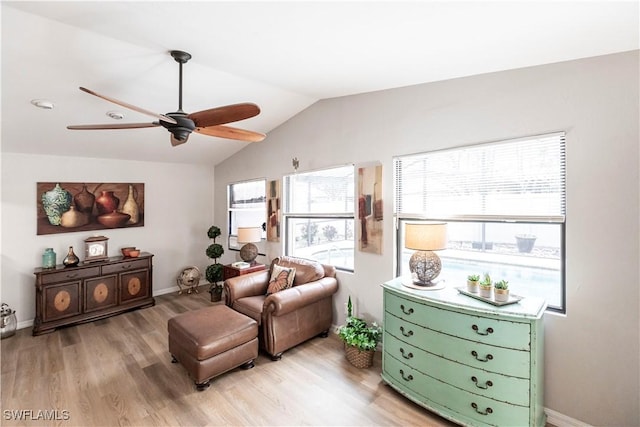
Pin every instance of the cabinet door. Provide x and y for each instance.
(134, 285)
(100, 293)
(61, 301)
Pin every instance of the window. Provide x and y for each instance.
(247, 208)
(319, 216)
(504, 203)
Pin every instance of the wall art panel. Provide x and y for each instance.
(65, 207)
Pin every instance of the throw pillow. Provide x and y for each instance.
(306, 270)
(281, 278)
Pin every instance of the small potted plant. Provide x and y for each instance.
(485, 286)
(472, 283)
(360, 339)
(501, 290)
(214, 272)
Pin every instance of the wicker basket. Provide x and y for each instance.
(359, 358)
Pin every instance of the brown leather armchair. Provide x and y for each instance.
(290, 316)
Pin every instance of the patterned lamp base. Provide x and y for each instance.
(249, 252)
(424, 266)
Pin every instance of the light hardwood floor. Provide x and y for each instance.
(118, 371)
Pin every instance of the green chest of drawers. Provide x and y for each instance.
(466, 360)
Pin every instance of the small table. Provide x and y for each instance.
(231, 271)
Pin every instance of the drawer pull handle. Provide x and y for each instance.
(486, 384)
(486, 411)
(126, 266)
(405, 311)
(407, 378)
(71, 276)
(406, 356)
(487, 331)
(406, 334)
(486, 359)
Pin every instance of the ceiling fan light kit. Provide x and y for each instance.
(180, 124)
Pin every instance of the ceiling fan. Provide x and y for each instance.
(180, 124)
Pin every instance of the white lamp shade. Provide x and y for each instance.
(249, 234)
(426, 236)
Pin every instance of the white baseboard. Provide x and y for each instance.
(561, 420)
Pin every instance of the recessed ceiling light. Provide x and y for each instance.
(43, 103)
(116, 115)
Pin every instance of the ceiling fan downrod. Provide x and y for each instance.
(181, 57)
(184, 126)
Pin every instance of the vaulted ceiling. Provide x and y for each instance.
(283, 56)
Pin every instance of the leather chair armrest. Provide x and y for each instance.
(291, 299)
(247, 285)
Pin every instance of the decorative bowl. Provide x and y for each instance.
(126, 250)
(134, 253)
(114, 219)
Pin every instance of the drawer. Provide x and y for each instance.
(70, 274)
(472, 353)
(472, 408)
(489, 384)
(503, 333)
(125, 266)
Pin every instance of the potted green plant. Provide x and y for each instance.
(360, 339)
(472, 283)
(214, 272)
(485, 286)
(501, 290)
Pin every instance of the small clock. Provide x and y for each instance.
(95, 249)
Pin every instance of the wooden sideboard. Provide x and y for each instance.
(91, 291)
(466, 360)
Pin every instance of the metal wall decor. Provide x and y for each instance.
(64, 207)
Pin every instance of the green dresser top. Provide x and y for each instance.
(527, 307)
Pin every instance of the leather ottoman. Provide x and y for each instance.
(211, 341)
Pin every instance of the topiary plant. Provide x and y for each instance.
(214, 272)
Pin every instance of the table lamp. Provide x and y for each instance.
(249, 236)
(424, 238)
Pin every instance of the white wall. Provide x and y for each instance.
(592, 370)
(178, 213)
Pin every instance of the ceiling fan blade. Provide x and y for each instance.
(227, 114)
(175, 141)
(129, 106)
(114, 126)
(229, 132)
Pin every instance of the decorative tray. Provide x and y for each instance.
(512, 298)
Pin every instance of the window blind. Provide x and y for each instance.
(246, 193)
(327, 191)
(513, 180)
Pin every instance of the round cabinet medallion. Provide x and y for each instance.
(62, 301)
(100, 293)
(133, 286)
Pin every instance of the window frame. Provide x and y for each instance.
(560, 220)
(289, 217)
(232, 243)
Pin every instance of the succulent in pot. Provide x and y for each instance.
(485, 286)
(501, 290)
(472, 283)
